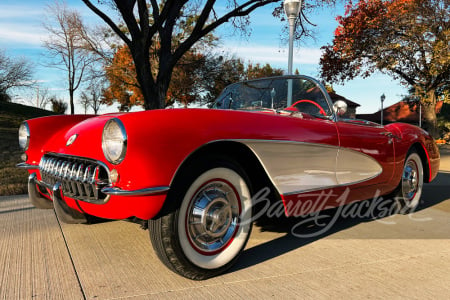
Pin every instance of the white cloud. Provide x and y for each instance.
(20, 25)
(13, 34)
(23, 12)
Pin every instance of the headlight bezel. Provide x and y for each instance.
(24, 139)
(111, 139)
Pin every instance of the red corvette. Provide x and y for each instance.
(194, 175)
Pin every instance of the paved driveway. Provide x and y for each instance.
(392, 257)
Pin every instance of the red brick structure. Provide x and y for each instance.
(399, 112)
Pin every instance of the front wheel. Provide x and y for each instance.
(204, 236)
(409, 191)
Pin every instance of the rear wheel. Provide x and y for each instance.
(204, 236)
(409, 191)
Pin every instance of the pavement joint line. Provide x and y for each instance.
(71, 258)
(405, 257)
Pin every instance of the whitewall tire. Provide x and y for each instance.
(204, 236)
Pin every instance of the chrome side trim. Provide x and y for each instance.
(318, 167)
(27, 166)
(355, 167)
(299, 167)
(114, 191)
(296, 167)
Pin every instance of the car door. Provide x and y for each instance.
(366, 156)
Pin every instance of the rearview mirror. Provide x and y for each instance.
(340, 107)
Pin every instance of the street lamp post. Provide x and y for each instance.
(383, 97)
(420, 114)
(292, 10)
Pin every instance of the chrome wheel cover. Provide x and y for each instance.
(410, 180)
(213, 217)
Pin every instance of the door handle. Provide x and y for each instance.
(389, 135)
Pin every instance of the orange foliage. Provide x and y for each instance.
(121, 75)
(124, 87)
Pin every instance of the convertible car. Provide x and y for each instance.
(196, 177)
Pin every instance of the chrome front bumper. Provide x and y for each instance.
(80, 178)
(35, 196)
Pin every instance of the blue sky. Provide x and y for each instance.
(22, 35)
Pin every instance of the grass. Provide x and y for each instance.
(13, 181)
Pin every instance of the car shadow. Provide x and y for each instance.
(302, 231)
(435, 192)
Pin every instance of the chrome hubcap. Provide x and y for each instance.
(212, 217)
(410, 180)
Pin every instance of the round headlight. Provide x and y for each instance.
(114, 141)
(24, 136)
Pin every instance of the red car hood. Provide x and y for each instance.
(82, 139)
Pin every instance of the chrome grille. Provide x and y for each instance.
(80, 178)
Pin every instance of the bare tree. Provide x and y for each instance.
(13, 74)
(91, 97)
(43, 97)
(38, 96)
(67, 43)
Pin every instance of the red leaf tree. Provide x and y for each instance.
(406, 39)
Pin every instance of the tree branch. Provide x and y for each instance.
(107, 21)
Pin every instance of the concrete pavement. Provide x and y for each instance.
(394, 257)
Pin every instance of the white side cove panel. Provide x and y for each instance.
(296, 167)
(354, 167)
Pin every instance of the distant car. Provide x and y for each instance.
(195, 174)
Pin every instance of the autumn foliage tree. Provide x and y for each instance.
(196, 77)
(144, 32)
(406, 39)
(125, 89)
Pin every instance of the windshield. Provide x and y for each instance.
(273, 93)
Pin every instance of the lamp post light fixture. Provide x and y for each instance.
(292, 9)
(383, 97)
(272, 95)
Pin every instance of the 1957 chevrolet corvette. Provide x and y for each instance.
(194, 174)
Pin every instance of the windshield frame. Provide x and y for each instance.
(331, 116)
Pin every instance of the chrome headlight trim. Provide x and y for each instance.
(114, 141)
(24, 136)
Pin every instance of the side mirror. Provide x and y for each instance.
(340, 107)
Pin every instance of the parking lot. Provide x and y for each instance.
(392, 257)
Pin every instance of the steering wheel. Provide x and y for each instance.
(321, 110)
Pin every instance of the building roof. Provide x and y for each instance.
(336, 97)
(399, 112)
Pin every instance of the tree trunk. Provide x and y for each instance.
(72, 106)
(144, 77)
(429, 114)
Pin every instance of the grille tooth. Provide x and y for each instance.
(94, 180)
(64, 170)
(80, 178)
(73, 184)
(86, 184)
